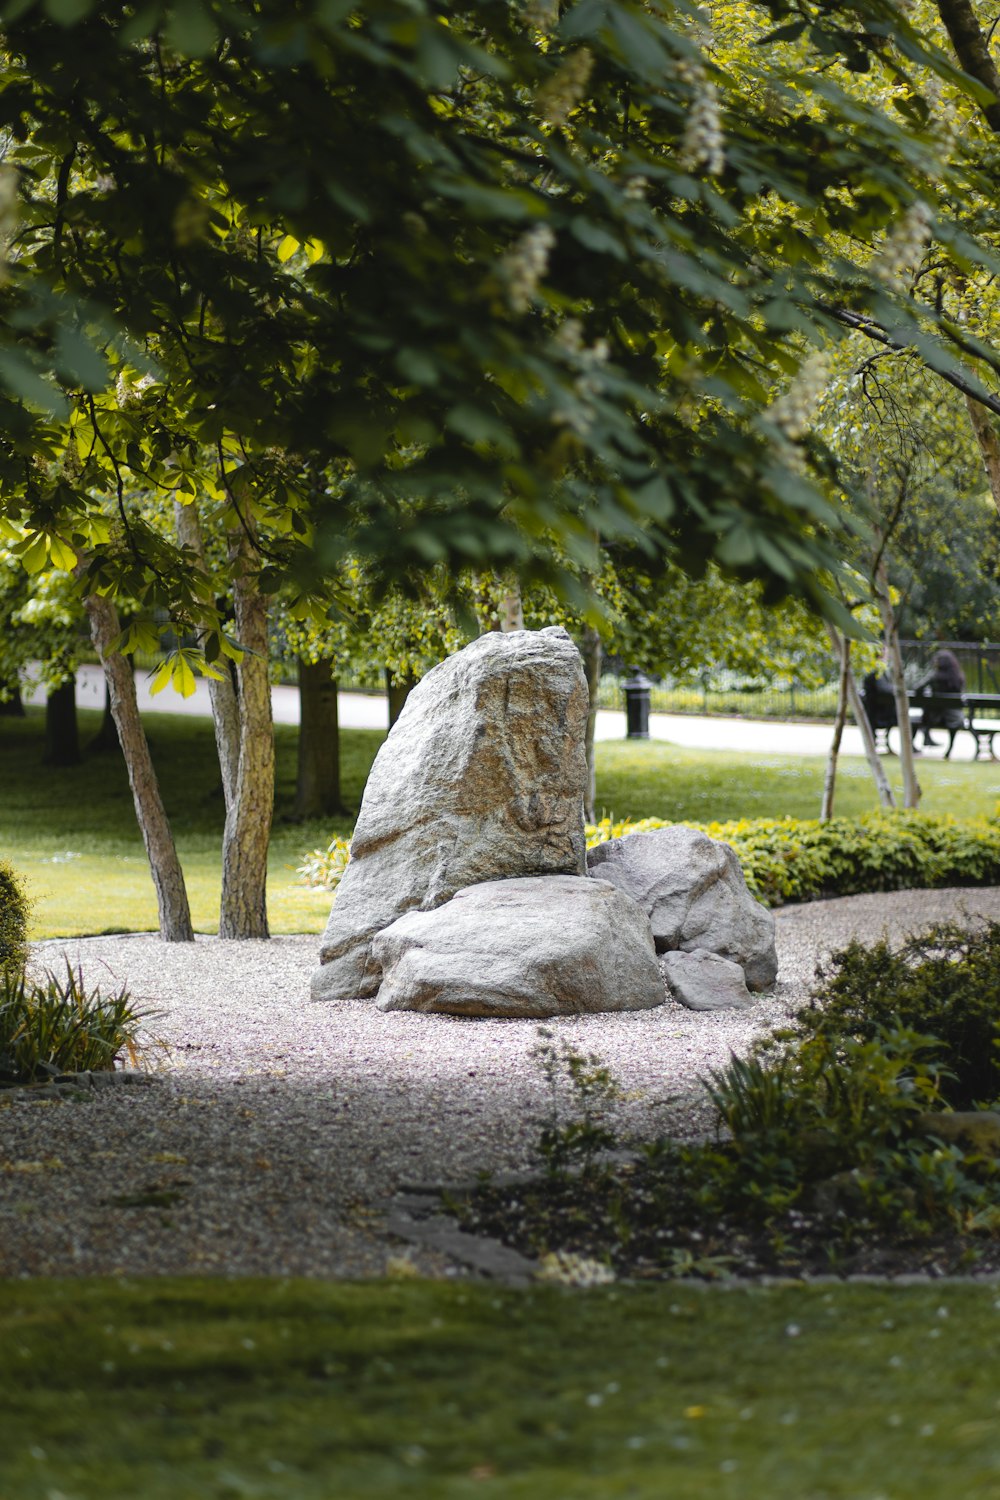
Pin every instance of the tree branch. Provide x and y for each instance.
(880, 335)
(972, 52)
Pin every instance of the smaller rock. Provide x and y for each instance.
(704, 981)
(692, 889)
(973, 1130)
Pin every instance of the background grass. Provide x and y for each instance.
(72, 831)
(441, 1391)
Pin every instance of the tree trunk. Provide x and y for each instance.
(221, 691)
(989, 445)
(317, 792)
(590, 650)
(830, 779)
(62, 733)
(512, 609)
(397, 692)
(168, 878)
(885, 796)
(911, 786)
(106, 737)
(13, 706)
(248, 817)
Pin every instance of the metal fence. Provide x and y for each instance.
(731, 693)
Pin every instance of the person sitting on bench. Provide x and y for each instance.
(945, 676)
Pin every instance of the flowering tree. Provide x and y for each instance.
(434, 284)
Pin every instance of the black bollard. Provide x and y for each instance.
(636, 690)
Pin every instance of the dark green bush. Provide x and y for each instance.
(54, 1025)
(14, 912)
(945, 981)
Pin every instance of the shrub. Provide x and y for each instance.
(324, 867)
(791, 859)
(945, 981)
(14, 911)
(52, 1025)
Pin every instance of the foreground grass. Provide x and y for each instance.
(305, 1389)
(73, 832)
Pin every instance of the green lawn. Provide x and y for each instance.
(166, 1389)
(73, 832)
(649, 779)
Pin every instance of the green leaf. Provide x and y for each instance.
(190, 29)
(36, 554)
(68, 12)
(160, 677)
(287, 248)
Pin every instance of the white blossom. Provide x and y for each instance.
(569, 1269)
(635, 189)
(560, 96)
(793, 411)
(129, 393)
(702, 144)
(904, 246)
(525, 265)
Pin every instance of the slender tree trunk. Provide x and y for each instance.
(106, 737)
(512, 609)
(830, 779)
(168, 878)
(62, 731)
(907, 760)
(885, 796)
(221, 691)
(397, 690)
(317, 792)
(989, 445)
(13, 706)
(248, 818)
(590, 650)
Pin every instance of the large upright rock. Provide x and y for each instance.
(481, 778)
(693, 891)
(554, 946)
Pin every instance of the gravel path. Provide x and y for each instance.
(277, 1128)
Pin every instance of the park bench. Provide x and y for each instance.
(980, 712)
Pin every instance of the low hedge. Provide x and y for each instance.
(790, 859)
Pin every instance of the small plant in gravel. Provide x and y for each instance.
(571, 1138)
(52, 1025)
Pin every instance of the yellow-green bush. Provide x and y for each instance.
(789, 859)
(14, 910)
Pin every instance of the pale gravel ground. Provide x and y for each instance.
(285, 1125)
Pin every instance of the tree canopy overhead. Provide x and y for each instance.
(436, 283)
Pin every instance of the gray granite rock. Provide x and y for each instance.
(703, 981)
(544, 946)
(693, 891)
(481, 778)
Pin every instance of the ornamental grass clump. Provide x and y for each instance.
(54, 1025)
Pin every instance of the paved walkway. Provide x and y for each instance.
(365, 711)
